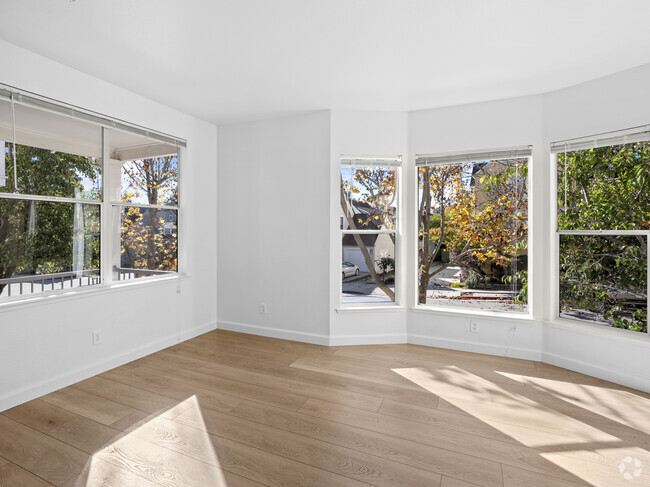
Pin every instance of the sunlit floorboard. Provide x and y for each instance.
(227, 409)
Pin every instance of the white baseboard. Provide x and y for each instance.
(486, 348)
(14, 398)
(274, 332)
(333, 341)
(342, 340)
(625, 379)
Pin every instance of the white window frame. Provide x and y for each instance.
(429, 159)
(626, 136)
(391, 161)
(108, 230)
(113, 206)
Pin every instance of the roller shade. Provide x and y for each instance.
(483, 155)
(85, 115)
(627, 136)
(370, 161)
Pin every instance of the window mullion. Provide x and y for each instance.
(366, 232)
(602, 232)
(54, 199)
(107, 231)
(143, 205)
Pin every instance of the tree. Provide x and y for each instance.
(605, 188)
(376, 188)
(477, 211)
(39, 235)
(155, 180)
(144, 245)
(385, 264)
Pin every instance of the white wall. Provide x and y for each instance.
(259, 156)
(499, 124)
(248, 152)
(47, 345)
(368, 134)
(612, 103)
(273, 227)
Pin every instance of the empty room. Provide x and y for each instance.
(334, 243)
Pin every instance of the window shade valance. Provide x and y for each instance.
(85, 115)
(370, 161)
(483, 155)
(628, 136)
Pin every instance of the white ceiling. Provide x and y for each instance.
(234, 60)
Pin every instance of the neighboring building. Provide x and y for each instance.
(378, 245)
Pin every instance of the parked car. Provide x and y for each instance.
(349, 269)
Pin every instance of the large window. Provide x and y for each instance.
(50, 201)
(369, 229)
(473, 230)
(603, 221)
(80, 203)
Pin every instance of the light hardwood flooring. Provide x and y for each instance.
(227, 409)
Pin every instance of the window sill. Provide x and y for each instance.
(495, 315)
(369, 308)
(75, 293)
(600, 331)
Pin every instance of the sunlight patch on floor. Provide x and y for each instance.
(158, 451)
(588, 452)
(622, 406)
(497, 406)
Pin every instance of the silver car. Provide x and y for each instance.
(349, 269)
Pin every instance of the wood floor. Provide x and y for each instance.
(227, 409)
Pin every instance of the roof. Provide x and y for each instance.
(368, 240)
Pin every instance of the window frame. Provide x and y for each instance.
(607, 139)
(389, 161)
(460, 157)
(112, 206)
(108, 230)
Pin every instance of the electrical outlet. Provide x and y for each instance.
(263, 308)
(97, 337)
(473, 326)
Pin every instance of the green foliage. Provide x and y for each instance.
(473, 281)
(38, 235)
(603, 278)
(605, 188)
(385, 263)
(521, 280)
